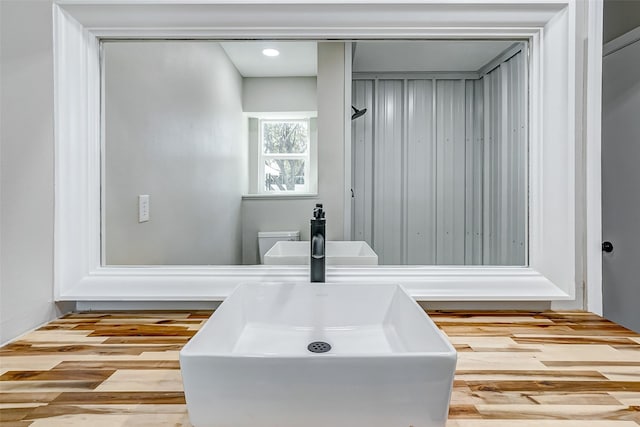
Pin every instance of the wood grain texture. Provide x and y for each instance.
(551, 369)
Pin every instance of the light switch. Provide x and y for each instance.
(143, 208)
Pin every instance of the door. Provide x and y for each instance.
(621, 185)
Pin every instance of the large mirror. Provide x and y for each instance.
(216, 152)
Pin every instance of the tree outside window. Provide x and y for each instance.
(285, 147)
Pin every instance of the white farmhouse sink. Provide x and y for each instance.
(249, 365)
(337, 253)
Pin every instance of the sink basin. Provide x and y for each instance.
(337, 253)
(254, 362)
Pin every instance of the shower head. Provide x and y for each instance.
(357, 113)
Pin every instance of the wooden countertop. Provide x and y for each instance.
(550, 369)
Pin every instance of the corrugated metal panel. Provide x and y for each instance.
(505, 204)
(450, 174)
(474, 138)
(493, 145)
(362, 157)
(440, 168)
(522, 230)
(519, 160)
(388, 171)
(421, 174)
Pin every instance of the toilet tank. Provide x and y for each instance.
(266, 239)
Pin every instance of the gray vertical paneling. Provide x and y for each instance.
(503, 167)
(492, 167)
(509, 166)
(486, 167)
(495, 166)
(474, 149)
(450, 176)
(421, 174)
(405, 174)
(388, 176)
(522, 231)
(440, 168)
(518, 161)
(505, 180)
(510, 162)
(362, 137)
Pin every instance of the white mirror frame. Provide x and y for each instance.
(555, 253)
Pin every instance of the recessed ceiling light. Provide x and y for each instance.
(270, 52)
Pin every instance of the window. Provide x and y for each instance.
(284, 156)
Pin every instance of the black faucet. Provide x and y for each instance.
(317, 270)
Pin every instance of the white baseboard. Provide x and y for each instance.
(535, 306)
(145, 305)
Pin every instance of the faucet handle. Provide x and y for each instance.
(318, 212)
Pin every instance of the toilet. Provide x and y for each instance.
(266, 239)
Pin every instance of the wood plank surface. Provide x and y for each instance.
(550, 369)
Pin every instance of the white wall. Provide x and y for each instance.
(26, 167)
(402, 56)
(294, 214)
(331, 115)
(273, 94)
(277, 95)
(269, 214)
(173, 130)
(273, 215)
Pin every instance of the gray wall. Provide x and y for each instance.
(173, 130)
(620, 16)
(620, 177)
(272, 94)
(620, 183)
(26, 167)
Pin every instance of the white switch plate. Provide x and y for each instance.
(143, 208)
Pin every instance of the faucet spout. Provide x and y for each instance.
(317, 265)
(317, 246)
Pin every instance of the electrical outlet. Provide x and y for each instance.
(143, 208)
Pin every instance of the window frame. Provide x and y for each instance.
(262, 156)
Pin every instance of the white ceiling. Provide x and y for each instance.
(427, 56)
(299, 58)
(295, 59)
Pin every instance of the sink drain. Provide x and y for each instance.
(319, 347)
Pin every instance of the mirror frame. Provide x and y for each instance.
(559, 139)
